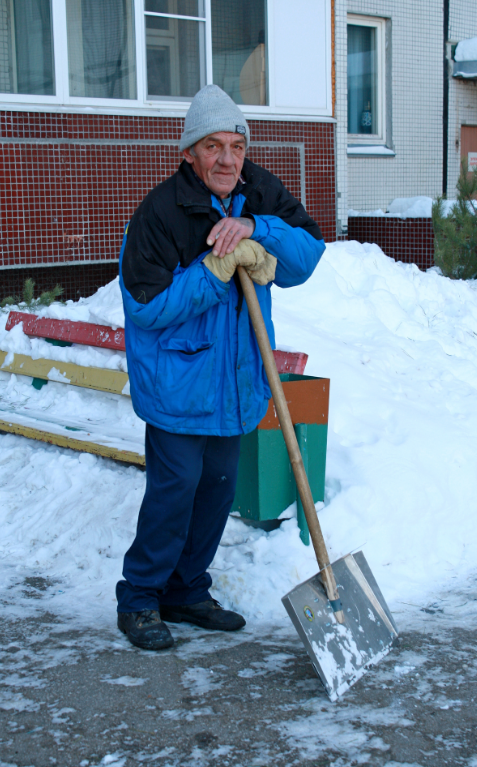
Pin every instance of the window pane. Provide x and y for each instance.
(175, 57)
(179, 7)
(26, 47)
(362, 80)
(239, 53)
(101, 49)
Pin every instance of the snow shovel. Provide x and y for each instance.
(339, 613)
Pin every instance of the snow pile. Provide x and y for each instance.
(103, 308)
(406, 207)
(371, 213)
(466, 50)
(412, 207)
(399, 346)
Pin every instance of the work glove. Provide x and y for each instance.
(264, 272)
(249, 254)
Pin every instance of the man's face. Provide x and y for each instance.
(218, 161)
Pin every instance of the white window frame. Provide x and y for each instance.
(169, 107)
(379, 138)
(177, 17)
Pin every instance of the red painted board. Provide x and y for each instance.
(290, 362)
(66, 330)
(101, 335)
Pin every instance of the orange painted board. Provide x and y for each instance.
(308, 402)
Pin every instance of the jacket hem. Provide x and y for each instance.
(190, 430)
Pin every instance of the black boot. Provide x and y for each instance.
(207, 615)
(145, 629)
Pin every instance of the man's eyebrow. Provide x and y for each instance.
(212, 137)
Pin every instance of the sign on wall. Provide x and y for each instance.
(472, 160)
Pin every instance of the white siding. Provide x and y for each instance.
(5, 75)
(416, 104)
(341, 114)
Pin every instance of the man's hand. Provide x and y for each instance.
(227, 233)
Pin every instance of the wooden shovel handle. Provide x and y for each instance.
(290, 438)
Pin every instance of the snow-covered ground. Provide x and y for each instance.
(399, 346)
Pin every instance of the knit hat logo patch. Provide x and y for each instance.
(240, 129)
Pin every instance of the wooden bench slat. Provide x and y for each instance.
(103, 336)
(68, 330)
(84, 446)
(102, 379)
(290, 362)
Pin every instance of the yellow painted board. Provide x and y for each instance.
(83, 446)
(102, 379)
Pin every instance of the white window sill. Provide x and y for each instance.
(370, 151)
(158, 109)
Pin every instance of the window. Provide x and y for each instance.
(176, 48)
(125, 56)
(366, 67)
(239, 56)
(26, 47)
(101, 51)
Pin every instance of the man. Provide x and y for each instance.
(195, 370)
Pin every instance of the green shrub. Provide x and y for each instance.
(28, 297)
(455, 235)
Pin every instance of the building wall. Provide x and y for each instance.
(410, 240)
(417, 77)
(462, 94)
(341, 112)
(69, 182)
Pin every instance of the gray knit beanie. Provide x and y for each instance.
(211, 110)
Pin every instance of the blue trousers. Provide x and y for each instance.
(190, 487)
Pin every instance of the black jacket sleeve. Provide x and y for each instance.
(150, 255)
(268, 196)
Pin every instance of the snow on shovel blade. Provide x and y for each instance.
(341, 654)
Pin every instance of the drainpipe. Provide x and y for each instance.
(445, 106)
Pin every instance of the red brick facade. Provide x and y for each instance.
(70, 182)
(410, 240)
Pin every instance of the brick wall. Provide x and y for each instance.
(410, 240)
(68, 182)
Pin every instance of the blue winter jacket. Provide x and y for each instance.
(193, 360)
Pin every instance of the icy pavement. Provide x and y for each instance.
(80, 695)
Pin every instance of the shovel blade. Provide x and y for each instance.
(341, 653)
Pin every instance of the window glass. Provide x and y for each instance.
(26, 47)
(362, 80)
(239, 52)
(175, 50)
(101, 49)
(179, 7)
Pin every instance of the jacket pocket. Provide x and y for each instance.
(186, 377)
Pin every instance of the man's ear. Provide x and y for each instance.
(188, 157)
